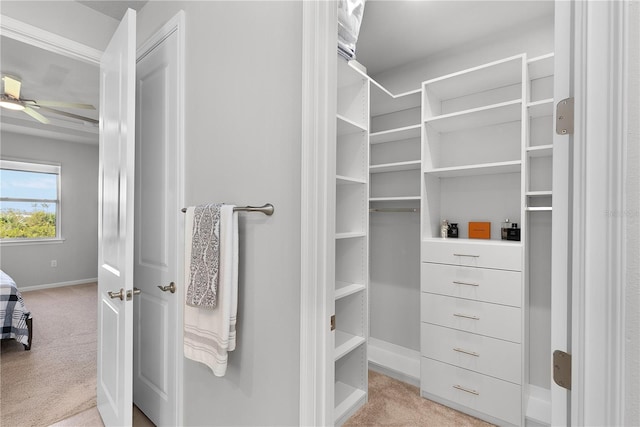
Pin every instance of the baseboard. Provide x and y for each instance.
(395, 361)
(538, 406)
(57, 285)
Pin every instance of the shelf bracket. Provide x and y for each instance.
(564, 117)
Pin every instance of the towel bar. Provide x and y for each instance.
(266, 209)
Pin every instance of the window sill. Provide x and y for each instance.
(32, 242)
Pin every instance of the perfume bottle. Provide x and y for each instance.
(453, 230)
(506, 225)
(513, 233)
(444, 228)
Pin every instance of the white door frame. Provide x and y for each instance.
(319, 80)
(598, 311)
(176, 25)
(599, 222)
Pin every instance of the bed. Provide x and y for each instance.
(16, 319)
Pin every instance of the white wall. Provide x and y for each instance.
(536, 39)
(77, 256)
(243, 128)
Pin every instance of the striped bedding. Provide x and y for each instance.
(13, 313)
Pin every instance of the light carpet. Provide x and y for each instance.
(57, 378)
(394, 403)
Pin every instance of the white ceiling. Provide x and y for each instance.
(47, 76)
(395, 32)
(113, 8)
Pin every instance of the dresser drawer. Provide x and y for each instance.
(489, 356)
(498, 321)
(479, 284)
(491, 396)
(487, 254)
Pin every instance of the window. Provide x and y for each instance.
(29, 201)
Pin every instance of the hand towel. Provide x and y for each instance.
(209, 334)
(202, 290)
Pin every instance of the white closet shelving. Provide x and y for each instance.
(351, 240)
(472, 302)
(395, 171)
(538, 207)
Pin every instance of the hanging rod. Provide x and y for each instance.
(266, 209)
(394, 210)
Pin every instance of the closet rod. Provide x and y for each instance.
(394, 210)
(266, 209)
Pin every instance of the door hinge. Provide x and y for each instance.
(564, 117)
(333, 322)
(562, 369)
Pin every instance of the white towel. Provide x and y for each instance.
(209, 334)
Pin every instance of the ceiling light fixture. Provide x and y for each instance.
(10, 103)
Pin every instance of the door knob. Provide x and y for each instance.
(115, 295)
(171, 287)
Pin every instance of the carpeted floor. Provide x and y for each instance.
(394, 403)
(57, 378)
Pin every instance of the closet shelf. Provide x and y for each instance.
(350, 235)
(538, 208)
(393, 199)
(345, 343)
(346, 397)
(494, 75)
(478, 169)
(347, 126)
(503, 112)
(346, 180)
(344, 289)
(399, 134)
(541, 66)
(545, 193)
(384, 102)
(481, 242)
(540, 151)
(541, 108)
(395, 167)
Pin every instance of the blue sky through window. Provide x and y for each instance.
(27, 185)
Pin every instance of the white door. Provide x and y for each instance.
(157, 248)
(115, 225)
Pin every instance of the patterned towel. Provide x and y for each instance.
(210, 334)
(205, 256)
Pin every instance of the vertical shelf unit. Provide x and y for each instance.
(394, 227)
(395, 147)
(474, 128)
(351, 240)
(538, 208)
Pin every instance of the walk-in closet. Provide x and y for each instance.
(444, 158)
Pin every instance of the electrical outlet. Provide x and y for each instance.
(54, 263)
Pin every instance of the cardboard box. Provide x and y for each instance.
(479, 230)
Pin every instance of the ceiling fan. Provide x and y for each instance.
(10, 99)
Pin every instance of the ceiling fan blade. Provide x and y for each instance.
(73, 116)
(33, 113)
(12, 87)
(59, 104)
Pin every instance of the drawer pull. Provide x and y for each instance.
(455, 282)
(470, 353)
(467, 255)
(466, 316)
(468, 390)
